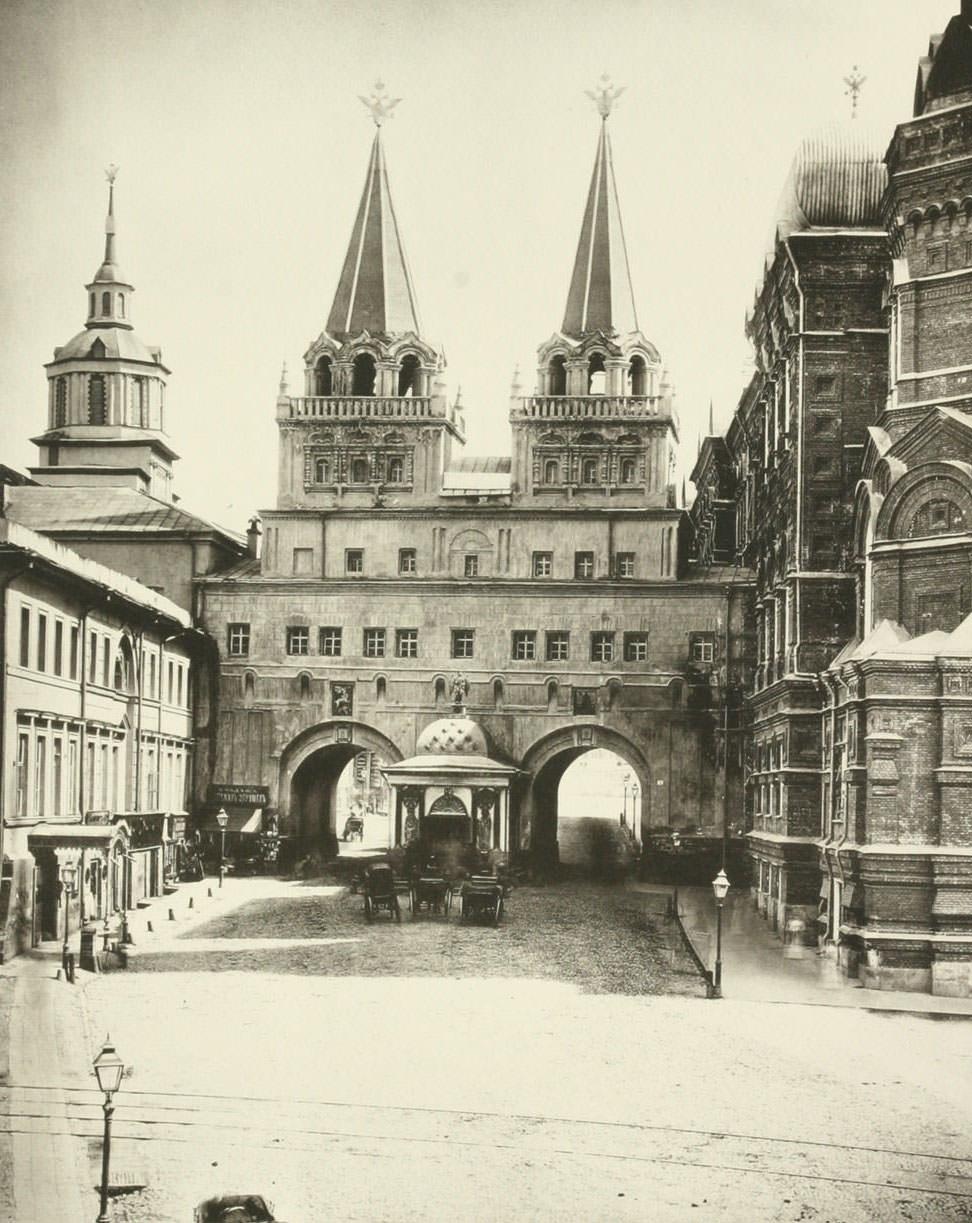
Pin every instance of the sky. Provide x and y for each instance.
(242, 147)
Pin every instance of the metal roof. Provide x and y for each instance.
(837, 179)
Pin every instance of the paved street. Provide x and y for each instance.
(492, 1075)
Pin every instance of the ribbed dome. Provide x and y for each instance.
(837, 179)
(452, 737)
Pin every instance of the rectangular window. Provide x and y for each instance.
(406, 560)
(238, 639)
(583, 564)
(57, 775)
(41, 641)
(542, 564)
(89, 788)
(179, 672)
(74, 651)
(354, 560)
(105, 662)
(524, 645)
(92, 658)
(463, 642)
(636, 647)
(303, 560)
(170, 685)
(58, 647)
(114, 805)
(153, 691)
(702, 651)
(72, 777)
(298, 639)
(330, 642)
(23, 764)
(624, 565)
(406, 643)
(25, 636)
(374, 643)
(558, 646)
(40, 777)
(470, 565)
(602, 647)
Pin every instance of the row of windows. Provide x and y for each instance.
(524, 643)
(541, 563)
(106, 304)
(360, 471)
(53, 648)
(590, 472)
(97, 414)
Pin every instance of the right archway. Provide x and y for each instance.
(547, 762)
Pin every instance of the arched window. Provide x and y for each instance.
(322, 376)
(60, 402)
(396, 470)
(408, 373)
(439, 690)
(596, 376)
(627, 471)
(381, 689)
(249, 685)
(498, 693)
(121, 305)
(637, 377)
(551, 472)
(359, 471)
(106, 303)
(589, 471)
(97, 408)
(321, 471)
(676, 692)
(305, 686)
(553, 694)
(363, 375)
(557, 376)
(140, 402)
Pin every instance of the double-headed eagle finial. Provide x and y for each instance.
(605, 95)
(379, 105)
(854, 82)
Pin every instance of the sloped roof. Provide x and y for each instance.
(947, 68)
(121, 344)
(67, 511)
(489, 462)
(375, 291)
(601, 296)
(836, 180)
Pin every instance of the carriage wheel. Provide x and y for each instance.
(498, 912)
(369, 911)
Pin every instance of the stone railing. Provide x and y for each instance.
(563, 407)
(344, 407)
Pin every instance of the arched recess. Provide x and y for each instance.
(545, 763)
(945, 481)
(310, 767)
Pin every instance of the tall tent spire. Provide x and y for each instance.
(109, 270)
(375, 292)
(601, 297)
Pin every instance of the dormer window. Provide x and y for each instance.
(97, 351)
(363, 375)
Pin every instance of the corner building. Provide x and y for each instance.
(539, 595)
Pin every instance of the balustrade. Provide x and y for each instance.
(556, 407)
(340, 407)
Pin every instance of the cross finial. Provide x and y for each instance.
(605, 95)
(853, 90)
(379, 105)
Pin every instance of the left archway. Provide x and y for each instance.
(310, 768)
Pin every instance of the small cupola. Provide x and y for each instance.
(109, 294)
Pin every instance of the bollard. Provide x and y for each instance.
(192, 902)
(172, 915)
(148, 927)
(209, 893)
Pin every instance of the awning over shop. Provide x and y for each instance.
(241, 819)
(95, 835)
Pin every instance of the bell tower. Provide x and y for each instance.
(601, 424)
(106, 393)
(373, 422)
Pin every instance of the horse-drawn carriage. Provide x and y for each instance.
(481, 899)
(380, 892)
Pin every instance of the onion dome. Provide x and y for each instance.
(455, 736)
(836, 181)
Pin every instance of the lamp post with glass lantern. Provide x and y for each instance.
(720, 888)
(69, 874)
(109, 1069)
(222, 819)
(635, 829)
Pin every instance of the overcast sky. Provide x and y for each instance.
(243, 149)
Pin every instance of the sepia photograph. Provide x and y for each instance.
(486, 628)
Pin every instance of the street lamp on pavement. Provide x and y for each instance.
(222, 819)
(69, 874)
(720, 889)
(109, 1069)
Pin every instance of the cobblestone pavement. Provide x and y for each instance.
(503, 1083)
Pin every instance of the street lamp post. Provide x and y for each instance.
(720, 888)
(222, 819)
(635, 825)
(69, 874)
(108, 1068)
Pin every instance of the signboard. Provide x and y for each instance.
(240, 796)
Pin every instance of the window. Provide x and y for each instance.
(589, 471)
(303, 560)
(237, 640)
(57, 775)
(551, 472)
(25, 636)
(363, 375)
(824, 384)
(59, 647)
(106, 303)
(152, 687)
(60, 402)
(97, 410)
(23, 763)
(298, 639)
(40, 776)
(463, 642)
(321, 471)
(702, 651)
(140, 402)
(330, 641)
(74, 652)
(524, 645)
(558, 646)
(396, 470)
(406, 643)
(627, 471)
(359, 471)
(354, 560)
(170, 682)
(406, 560)
(322, 378)
(624, 564)
(374, 643)
(583, 564)
(179, 673)
(470, 565)
(106, 662)
(542, 564)
(636, 647)
(602, 647)
(92, 657)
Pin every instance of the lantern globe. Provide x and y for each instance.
(720, 886)
(109, 1068)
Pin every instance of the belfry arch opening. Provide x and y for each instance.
(323, 376)
(557, 376)
(363, 374)
(408, 375)
(637, 376)
(596, 375)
